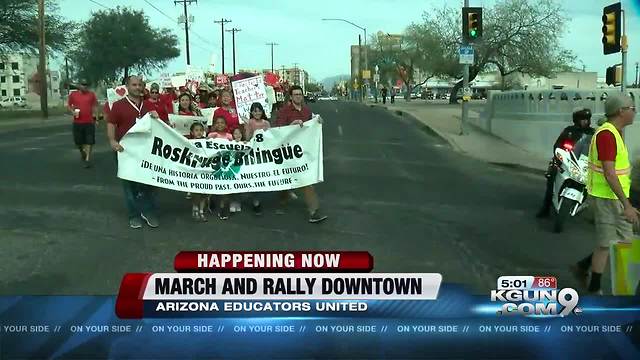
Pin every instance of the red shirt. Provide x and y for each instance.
(606, 144)
(186, 113)
(123, 115)
(105, 109)
(168, 99)
(160, 108)
(289, 113)
(85, 102)
(230, 116)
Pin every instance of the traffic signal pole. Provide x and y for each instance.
(624, 46)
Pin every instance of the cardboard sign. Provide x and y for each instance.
(182, 123)
(165, 81)
(116, 94)
(246, 92)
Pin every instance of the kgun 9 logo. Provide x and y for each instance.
(530, 302)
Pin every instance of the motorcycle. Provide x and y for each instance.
(569, 188)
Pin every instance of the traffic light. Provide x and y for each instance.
(614, 75)
(611, 28)
(471, 23)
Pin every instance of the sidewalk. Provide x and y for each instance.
(444, 120)
(33, 122)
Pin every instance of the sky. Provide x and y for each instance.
(323, 47)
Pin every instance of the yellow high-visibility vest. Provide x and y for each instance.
(597, 184)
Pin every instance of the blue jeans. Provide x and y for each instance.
(139, 198)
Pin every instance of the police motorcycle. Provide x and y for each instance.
(570, 185)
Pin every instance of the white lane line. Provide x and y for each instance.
(336, 109)
(340, 130)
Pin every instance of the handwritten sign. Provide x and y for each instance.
(182, 123)
(246, 92)
(116, 94)
(165, 81)
(222, 80)
(208, 114)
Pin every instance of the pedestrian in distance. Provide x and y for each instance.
(384, 94)
(296, 113)
(139, 198)
(82, 104)
(608, 185)
(393, 95)
(199, 202)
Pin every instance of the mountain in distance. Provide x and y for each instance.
(328, 82)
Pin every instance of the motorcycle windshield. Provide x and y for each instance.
(582, 146)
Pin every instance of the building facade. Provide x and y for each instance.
(294, 76)
(19, 76)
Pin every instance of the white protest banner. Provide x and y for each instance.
(281, 158)
(178, 81)
(246, 92)
(182, 123)
(116, 94)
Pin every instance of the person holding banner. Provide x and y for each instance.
(168, 97)
(227, 111)
(82, 104)
(258, 121)
(296, 113)
(154, 102)
(139, 198)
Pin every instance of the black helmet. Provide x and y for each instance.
(581, 114)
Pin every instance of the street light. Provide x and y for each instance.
(366, 57)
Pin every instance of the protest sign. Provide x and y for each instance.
(246, 92)
(165, 81)
(281, 158)
(182, 123)
(116, 94)
(208, 114)
(222, 80)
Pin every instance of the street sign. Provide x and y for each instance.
(376, 77)
(366, 74)
(466, 55)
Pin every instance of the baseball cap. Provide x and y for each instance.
(155, 86)
(615, 103)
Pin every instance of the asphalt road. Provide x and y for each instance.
(391, 188)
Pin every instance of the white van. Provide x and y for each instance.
(14, 101)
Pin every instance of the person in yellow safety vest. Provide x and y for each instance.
(608, 184)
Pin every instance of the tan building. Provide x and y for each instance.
(19, 77)
(294, 76)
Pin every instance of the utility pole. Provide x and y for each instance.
(222, 22)
(233, 43)
(624, 46)
(186, 23)
(43, 61)
(637, 75)
(66, 66)
(272, 44)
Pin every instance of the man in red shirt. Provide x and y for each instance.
(82, 104)
(168, 97)
(139, 198)
(296, 113)
(155, 103)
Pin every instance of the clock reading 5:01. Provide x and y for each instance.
(515, 282)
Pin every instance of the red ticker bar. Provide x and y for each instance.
(273, 261)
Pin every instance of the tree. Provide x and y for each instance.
(314, 87)
(119, 40)
(19, 27)
(518, 36)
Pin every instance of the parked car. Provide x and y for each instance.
(14, 101)
(310, 97)
(415, 95)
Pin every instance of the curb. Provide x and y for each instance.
(447, 138)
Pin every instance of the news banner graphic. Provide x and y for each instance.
(282, 158)
(197, 294)
(534, 296)
(318, 304)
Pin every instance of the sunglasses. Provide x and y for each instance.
(155, 92)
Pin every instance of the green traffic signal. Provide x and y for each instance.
(473, 33)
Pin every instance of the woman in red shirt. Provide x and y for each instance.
(186, 106)
(154, 102)
(228, 111)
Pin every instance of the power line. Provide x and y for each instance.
(97, 3)
(160, 11)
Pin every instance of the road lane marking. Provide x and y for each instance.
(340, 130)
